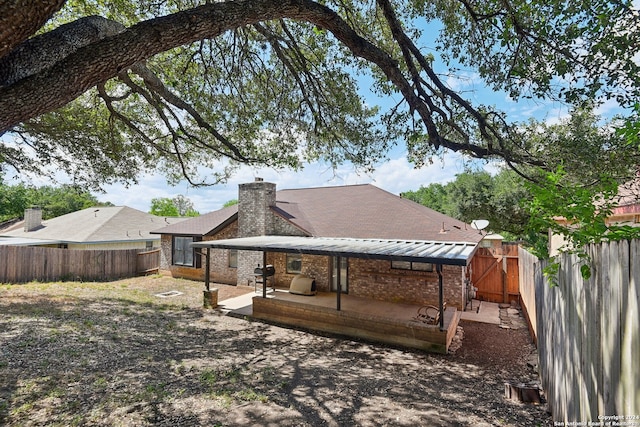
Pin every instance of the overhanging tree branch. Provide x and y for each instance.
(104, 59)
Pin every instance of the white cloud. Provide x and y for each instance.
(556, 115)
(608, 108)
(396, 175)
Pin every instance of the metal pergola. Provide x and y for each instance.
(434, 252)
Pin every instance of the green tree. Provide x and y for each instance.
(588, 160)
(163, 206)
(471, 192)
(14, 199)
(177, 206)
(57, 201)
(54, 201)
(434, 196)
(185, 206)
(230, 203)
(109, 89)
(499, 198)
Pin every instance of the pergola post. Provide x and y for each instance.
(207, 273)
(338, 282)
(440, 296)
(264, 274)
(210, 295)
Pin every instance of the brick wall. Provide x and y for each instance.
(282, 227)
(254, 214)
(220, 270)
(219, 258)
(315, 266)
(255, 218)
(165, 252)
(377, 280)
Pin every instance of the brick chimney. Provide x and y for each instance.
(254, 214)
(32, 219)
(255, 218)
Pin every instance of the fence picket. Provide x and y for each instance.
(20, 264)
(588, 332)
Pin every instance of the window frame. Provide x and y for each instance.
(292, 258)
(195, 254)
(231, 257)
(410, 266)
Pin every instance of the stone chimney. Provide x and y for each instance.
(255, 218)
(32, 219)
(254, 214)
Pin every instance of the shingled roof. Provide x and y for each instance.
(97, 224)
(202, 225)
(366, 211)
(352, 211)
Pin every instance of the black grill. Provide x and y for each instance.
(270, 271)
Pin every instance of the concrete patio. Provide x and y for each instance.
(483, 312)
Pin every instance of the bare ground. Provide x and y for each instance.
(113, 354)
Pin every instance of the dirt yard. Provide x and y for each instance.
(114, 354)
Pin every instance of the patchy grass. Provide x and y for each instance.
(109, 354)
(136, 290)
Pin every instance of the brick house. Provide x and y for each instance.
(626, 212)
(355, 212)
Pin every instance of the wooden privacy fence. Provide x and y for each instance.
(589, 335)
(494, 271)
(20, 264)
(527, 264)
(148, 261)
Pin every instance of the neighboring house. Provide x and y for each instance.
(118, 227)
(352, 212)
(626, 212)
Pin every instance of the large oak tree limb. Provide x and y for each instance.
(19, 19)
(99, 61)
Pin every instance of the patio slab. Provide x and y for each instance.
(240, 306)
(483, 312)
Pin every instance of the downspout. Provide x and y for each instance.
(440, 296)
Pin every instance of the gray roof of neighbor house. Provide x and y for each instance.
(96, 225)
(353, 211)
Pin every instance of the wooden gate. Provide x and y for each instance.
(148, 262)
(494, 271)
